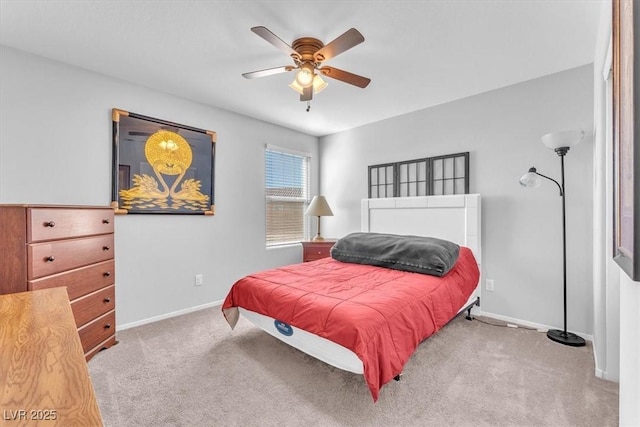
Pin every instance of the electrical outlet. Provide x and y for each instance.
(199, 280)
(488, 284)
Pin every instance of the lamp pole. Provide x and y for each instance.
(318, 237)
(563, 336)
(564, 241)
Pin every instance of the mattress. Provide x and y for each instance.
(318, 347)
(379, 314)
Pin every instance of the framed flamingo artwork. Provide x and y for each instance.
(160, 167)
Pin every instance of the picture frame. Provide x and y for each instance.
(161, 167)
(626, 137)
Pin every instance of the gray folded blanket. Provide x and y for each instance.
(426, 255)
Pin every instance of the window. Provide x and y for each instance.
(381, 180)
(450, 174)
(287, 195)
(421, 177)
(412, 178)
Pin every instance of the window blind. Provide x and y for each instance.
(287, 195)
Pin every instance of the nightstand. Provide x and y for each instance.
(312, 251)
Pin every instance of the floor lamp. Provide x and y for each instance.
(560, 142)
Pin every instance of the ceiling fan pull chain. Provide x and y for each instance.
(308, 106)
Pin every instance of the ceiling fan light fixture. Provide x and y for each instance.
(319, 84)
(296, 86)
(304, 77)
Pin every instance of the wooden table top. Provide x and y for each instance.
(44, 379)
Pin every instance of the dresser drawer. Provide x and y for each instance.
(63, 223)
(96, 304)
(98, 330)
(55, 257)
(80, 281)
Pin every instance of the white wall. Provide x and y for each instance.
(522, 240)
(630, 298)
(606, 273)
(629, 351)
(55, 148)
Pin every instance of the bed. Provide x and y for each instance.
(369, 319)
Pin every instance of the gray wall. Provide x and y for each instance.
(521, 228)
(55, 148)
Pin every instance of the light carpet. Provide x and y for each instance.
(192, 370)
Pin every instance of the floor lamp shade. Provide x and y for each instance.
(531, 179)
(565, 138)
(318, 207)
(560, 142)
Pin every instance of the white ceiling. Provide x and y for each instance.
(417, 53)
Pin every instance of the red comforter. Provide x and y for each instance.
(380, 314)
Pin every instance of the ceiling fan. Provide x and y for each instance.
(308, 54)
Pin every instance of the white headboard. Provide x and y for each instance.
(455, 218)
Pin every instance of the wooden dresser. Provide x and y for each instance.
(312, 251)
(43, 373)
(44, 246)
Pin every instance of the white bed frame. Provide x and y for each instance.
(455, 218)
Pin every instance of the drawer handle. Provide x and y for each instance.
(107, 300)
(105, 221)
(105, 248)
(50, 258)
(50, 224)
(106, 274)
(107, 326)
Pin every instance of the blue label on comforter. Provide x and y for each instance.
(283, 328)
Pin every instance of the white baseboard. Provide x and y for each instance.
(599, 372)
(527, 323)
(167, 315)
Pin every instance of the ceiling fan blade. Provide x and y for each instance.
(268, 72)
(307, 94)
(345, 76)
(344, 42)
(275, 40)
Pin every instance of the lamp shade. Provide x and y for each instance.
(318, 207)
(530, 179)
(561, 139)
(296, 86)
(319, 84)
